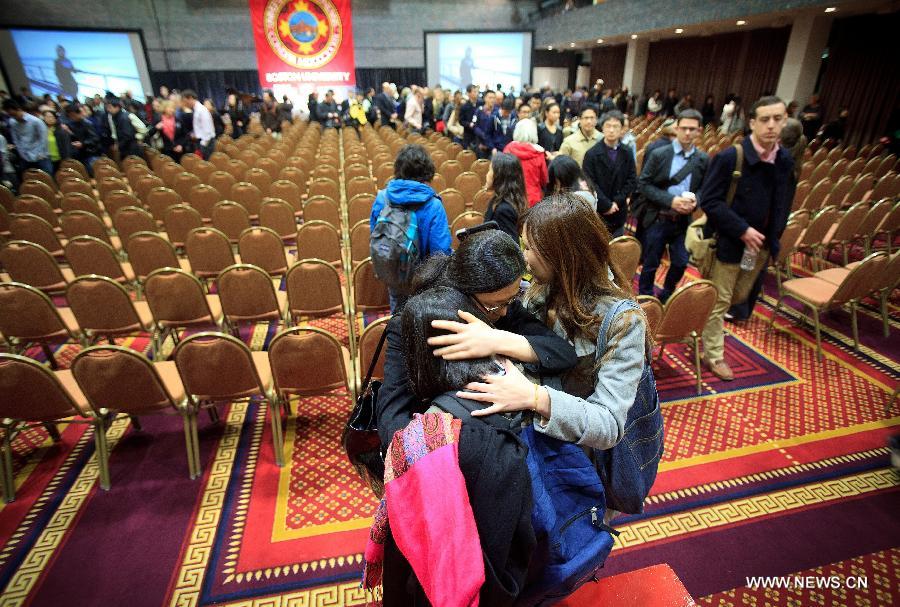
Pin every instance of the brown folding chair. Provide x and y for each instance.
(451, 170)
(812, 241)
(469, 219)
(845, 230)
(466, 159)
(308, 361)
(33, 205)
(222, 181)
(82, 223)
(103, 308)
(625, 254)
(217, 368)
(148, 251)
(34, 229)
(684, 316)
(117, 200)
(145, 185)
(263, 247)
(368, 343)
(319, 240)
(278, 215)
(469, 184)
(384, 173)
(354, 170)
(130, 220)
(183, 184)
(76, 186)
(237, 168)
(454, 203)
(39, 189)
(118, 381)
(28, 316)
(269, 165)
(106, 185)
(179, 220)
(260, 178)
(89, 255)
(818, 195)
(482, 200)
(820, 295)
(39, 175)
(7, 198)
(231, 218)
(29, 392)
(208, 251)
(159, 200)
(359, 242)
(870, 224)
(327, 171)
(314, 290)
(290, 192)
(76, 201)
(481, 167)
(361, 185)
(653, 311)
(72, 163)
(369, 293)
(249, 196)
(32, 264)
(323, 186)
(789, 240)
(178, 301)
(322, 208)
(203, 198)
(248, 295)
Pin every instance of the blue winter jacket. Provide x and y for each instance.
(434, 233)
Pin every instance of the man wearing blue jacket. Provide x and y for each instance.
(413, 170)
(754, 222)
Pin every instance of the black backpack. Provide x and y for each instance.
(394, 245)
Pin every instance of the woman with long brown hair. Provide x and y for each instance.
(567, 251)
(509, 202)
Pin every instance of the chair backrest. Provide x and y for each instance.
(314, 289)
(687, 311)
(384, 173)
(319, 240)
(33, 187)
(450, 170)
(106, 185)
(327, 171)
(369, 293)
(215, 366)
(179, 220)
(653, 311)
(360, 234)
(469, 219)
(323, 186)
(307, 361)
(120, 379)
(481, 200)
(368, 343)
(278, 215)
(147, 184)
(454, 203)
(177, 299)
(890, 274)
(183, 184)
(886, 166)
(888, 186)
(247, 294)
(33, 265)
(361, 185)
(247, 195)
(875, 217)
(208, 251)
(469, 184)
(76, 201)
(289, 191)
(789, 240)
(862, 279)
(237, 168)
(29, 391)
(354, 170)
(847, 226)
(468, 160)
(102, 306)
(231, 218)
(221, 181)
(203, 198)
(148, 251)
(260, 178)
(30, 227)
(322, 208)
(89, 255)
(130, 220)
(27, 313)
(261, 246)
(359, 208)
(7, 198)
(625, 254)
(160, 199)
(268, 165)
(76, 186)
(83, 223)
(72, 163)
(34, 205)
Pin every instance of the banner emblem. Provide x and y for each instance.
(306, 34)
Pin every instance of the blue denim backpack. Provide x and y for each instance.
(569, 506)
(628, 470)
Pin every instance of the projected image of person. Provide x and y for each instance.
(64, 73)
(465, 68)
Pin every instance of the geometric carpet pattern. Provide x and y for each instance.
(780, 475)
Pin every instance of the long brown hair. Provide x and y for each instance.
(573, 241)
(509, 183)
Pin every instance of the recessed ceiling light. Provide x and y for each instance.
(571, 45)
(599, 40)
(549, 48)
(634, 36)
(830, 9)
(679, 31)
(742, 22)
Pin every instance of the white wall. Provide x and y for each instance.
(556, 77)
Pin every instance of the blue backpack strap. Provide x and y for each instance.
(611, 313)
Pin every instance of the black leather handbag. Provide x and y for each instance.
(360, 436)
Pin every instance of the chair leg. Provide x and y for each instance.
(775, 311)
(854, 324)
(885, 320)
(45, 348)
(213, 414)
(102, 453)
(136, 422)
(195, 435)
(53, 431)
(697, 372)
(9, 482)
(662, 349)
(815, 311)
(277, 437)
(189, 443)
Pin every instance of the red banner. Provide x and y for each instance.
(303, 42)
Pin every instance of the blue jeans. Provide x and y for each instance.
(397, 300)
(656, 238)
(44, 164)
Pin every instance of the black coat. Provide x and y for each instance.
(63, 142)
(506, 216)
(614, 183)
(396, 401)
(182, 137)
(385, 106)
(492, 461)
(654, 182)
(125, 136)
(762, 201)
(84, 131)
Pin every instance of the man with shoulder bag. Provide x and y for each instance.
(669, 180)
(759, 181)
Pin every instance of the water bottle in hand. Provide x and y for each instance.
(748, 260)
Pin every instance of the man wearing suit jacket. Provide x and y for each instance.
(384, 101)
(670, 172)
(611, 169)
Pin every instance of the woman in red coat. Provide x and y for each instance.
(524, 146)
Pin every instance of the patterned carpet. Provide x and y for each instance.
(783, 472)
